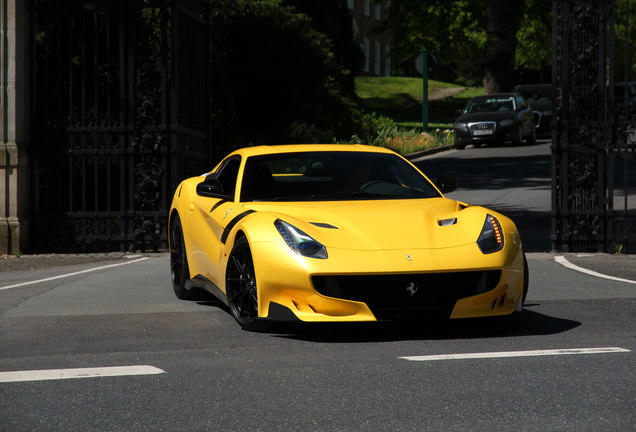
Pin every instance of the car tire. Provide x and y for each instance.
(179, 269)
(526, 279)
(531, 140)
(518, 140)
(240, 285)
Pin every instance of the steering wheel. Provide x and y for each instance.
(369, 184)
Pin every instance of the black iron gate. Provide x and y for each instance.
(594, 130)
(119, 114)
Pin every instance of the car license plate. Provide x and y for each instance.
(482, 132)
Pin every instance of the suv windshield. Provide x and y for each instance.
(332, 176)
(491, 104)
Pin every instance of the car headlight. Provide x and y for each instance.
(460, 126)
(491, 238)
(506, 123)
(299, 241)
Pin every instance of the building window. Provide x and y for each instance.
(350, 4)
(376, 60)
(378, 11)
(387, 60)
(367, 7)
(365, 50)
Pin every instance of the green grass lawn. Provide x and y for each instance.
(400, 99)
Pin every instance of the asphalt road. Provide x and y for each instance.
(216, 377)
(515, 181)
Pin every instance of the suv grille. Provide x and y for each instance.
(482, 126)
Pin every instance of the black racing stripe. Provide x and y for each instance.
(217, 205)
(233, 222)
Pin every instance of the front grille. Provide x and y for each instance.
(482, 126)
(424, 294)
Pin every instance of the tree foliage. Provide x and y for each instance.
(276, 78)
(448, 29)
(475, 41)
(625, 27)
(534, 38)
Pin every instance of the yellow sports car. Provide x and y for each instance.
(325, 233)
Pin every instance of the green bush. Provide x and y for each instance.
(276, 79)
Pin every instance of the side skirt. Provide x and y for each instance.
(204, 283)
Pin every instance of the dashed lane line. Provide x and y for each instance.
(505, 354)
(6, 287)
(57, 374)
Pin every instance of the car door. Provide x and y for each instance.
(213, 213)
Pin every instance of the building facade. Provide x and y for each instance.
(376, 46)
(13, 125)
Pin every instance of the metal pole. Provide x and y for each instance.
(425, 91)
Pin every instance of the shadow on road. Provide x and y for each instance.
(492, 172)
(533, 226)
(512, 171)
(526, 323)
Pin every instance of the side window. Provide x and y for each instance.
(228, 175)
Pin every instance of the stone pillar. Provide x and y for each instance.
(14, 113)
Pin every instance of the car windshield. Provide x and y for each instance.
(491, 104)
(332, 176)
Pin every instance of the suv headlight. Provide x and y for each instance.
(300, 242)
(506, 123)
(491, 238)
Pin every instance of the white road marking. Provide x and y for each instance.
(71, 274)
(564, 262)
(56, 374)
(504, 354)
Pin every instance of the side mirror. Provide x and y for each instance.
(447, 183)
(210, 188)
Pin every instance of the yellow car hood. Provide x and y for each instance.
(382, 225)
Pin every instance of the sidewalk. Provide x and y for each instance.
(443, 93)
(9, 263)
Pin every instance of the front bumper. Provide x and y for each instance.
(372, 285)
(465, 136)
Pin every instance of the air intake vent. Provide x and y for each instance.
(323, 225)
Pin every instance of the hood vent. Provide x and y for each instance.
(447, 222)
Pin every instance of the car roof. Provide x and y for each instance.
(531, 85)
(299, 148)
(495, 95)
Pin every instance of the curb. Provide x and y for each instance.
(430, 151)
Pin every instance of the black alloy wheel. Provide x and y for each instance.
(458, 145)
(526, 279)
(518, 140)
(242, 294)
(532, 139)
(179, 270)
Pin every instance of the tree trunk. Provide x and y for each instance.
(502, 24)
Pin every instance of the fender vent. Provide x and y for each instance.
(323, 225)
